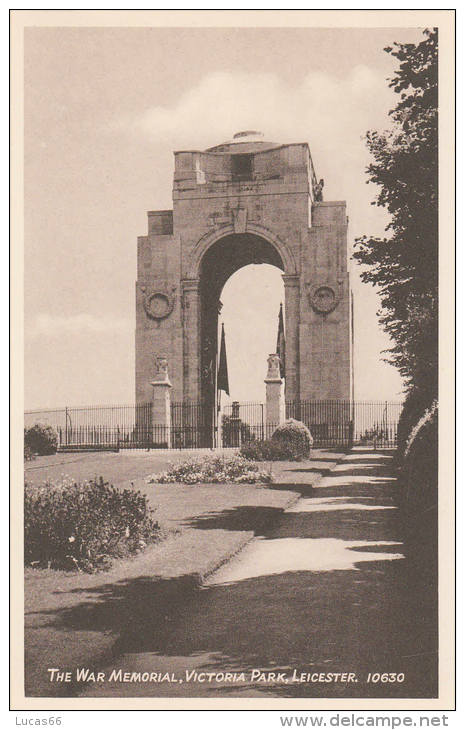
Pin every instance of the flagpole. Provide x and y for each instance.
(281, 343)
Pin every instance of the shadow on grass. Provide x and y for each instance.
(256, 519)
(311, 470)
(123, 606)
(302, 490)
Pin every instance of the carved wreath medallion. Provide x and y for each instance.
(158, 305)
(323, 298)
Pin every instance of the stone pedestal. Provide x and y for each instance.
(275, 406)
(161, 405)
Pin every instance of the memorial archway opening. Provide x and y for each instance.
(223, 259)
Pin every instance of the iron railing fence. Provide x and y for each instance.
(376, 422)
(111, 416)
(333, 423)
(356, 422)
(113, 439)
(244, 422)
(192, 426)
(329, 421)
(56, 418)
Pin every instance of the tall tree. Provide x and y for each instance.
(404, 264)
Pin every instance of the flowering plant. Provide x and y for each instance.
(213, 470)
(83, 525)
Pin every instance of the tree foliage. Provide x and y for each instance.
(404, 264)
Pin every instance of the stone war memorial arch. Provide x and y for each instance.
(247, 201)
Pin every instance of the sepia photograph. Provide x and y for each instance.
(232, 384)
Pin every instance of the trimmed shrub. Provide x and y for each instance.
(296, 435)
(82, 526)
(291, 441)
(268, 450)
(40, 439)
(213, 470)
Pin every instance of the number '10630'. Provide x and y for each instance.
(385, 677)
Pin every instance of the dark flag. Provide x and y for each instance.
(223, 382)
(281, 343)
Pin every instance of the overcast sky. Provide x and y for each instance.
(105, 109)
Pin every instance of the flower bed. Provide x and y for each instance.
(83, 526)
(213, 470)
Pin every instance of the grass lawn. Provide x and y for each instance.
(74, 619)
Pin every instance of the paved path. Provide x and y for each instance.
(307, 609)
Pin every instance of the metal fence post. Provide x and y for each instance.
(351, 434)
